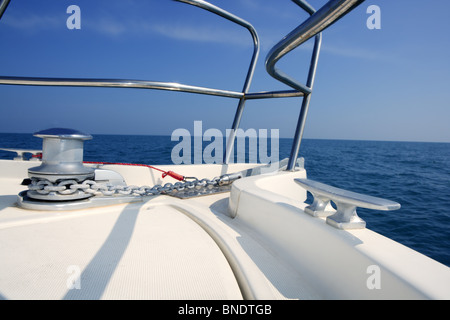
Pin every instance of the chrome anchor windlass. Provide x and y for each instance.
(62, 160)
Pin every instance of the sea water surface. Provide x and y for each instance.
(414, 174)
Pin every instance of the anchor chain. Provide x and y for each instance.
(68, 187)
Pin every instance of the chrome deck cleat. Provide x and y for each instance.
(345, 217)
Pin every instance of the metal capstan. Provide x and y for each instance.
(62, 159)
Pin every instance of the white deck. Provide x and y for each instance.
(258, 245)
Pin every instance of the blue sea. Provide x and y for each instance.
(415, 174)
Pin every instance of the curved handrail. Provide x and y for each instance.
(121, 83)
(158, 85)
(317, 22)
(118, 83)
(229, 16)
(313, 26)
(240, 108)
(144, 84)
(3, 6)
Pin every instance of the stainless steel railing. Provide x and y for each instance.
(3, 5)
(240, 108)
(118, 83)
(316, 23)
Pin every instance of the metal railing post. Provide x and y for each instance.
(298, 136)
(319, 20)
(240, 108)
(3, 6)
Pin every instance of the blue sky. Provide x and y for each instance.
(386, 84)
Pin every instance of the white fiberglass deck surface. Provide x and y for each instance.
(255, 242)
(161, 248)
(127, 252)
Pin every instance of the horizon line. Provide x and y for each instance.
(305, 138)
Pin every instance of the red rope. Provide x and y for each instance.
(172, 174)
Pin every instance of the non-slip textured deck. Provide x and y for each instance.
(118, 252)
